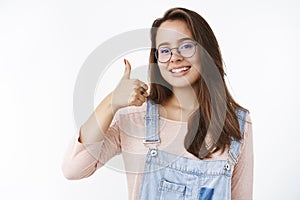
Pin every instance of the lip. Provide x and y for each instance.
(182, 73)
(178, 67)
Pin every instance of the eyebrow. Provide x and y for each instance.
(180, 40)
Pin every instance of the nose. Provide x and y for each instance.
(175, 56)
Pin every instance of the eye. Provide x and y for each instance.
(186, 46)
(164, 51)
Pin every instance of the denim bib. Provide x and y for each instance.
(171, 177)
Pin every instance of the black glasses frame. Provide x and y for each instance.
(178, 52)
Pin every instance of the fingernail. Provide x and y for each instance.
(125, 61)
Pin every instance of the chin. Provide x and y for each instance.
(182, 82)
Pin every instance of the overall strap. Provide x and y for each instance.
(151, 123)
(236, 145)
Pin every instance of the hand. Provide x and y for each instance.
(129, 92)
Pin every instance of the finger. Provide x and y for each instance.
(145, 94)
(139, 83)
(140, 90)
(136, 102)
(127, 69)
(144, 85)
(139, 94)
(137, 99)
(141, 98)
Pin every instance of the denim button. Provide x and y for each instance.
(227, 167)
(153, 152)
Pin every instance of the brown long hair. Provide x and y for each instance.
(210, 100)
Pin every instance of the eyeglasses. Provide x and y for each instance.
(186, 50)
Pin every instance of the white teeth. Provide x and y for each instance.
(178, 70)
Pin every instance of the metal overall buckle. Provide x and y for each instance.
(150, 144)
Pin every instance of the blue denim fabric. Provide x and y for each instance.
(171, 177)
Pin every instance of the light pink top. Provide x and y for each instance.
(126, 135)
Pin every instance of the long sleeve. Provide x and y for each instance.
(82, 160)
(242, 179)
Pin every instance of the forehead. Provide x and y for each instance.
(171, 31)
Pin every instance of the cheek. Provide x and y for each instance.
(196, 63)
(162, 69)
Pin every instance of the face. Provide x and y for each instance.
(181, 70)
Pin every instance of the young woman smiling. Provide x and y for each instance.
(185, 139)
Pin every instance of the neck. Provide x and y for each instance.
(184, 99)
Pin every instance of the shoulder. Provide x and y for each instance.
(244, 116)
(244, 120)
(247, 142)
(248, 126)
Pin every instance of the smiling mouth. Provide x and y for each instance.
(180, 69)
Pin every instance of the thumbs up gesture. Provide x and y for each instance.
(129, 92)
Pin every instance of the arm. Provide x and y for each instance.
(242, 178)
(128, 92)
(93, 129)
(81, 160)
(99, 137)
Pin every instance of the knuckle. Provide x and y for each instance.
(136, 88)
(145, 94)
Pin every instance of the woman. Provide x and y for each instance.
(187, 139)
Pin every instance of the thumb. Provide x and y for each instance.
(127, 69)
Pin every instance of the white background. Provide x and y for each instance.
(43, 45)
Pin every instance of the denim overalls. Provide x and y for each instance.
(171, 177)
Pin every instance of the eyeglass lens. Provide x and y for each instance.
(186, 50)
